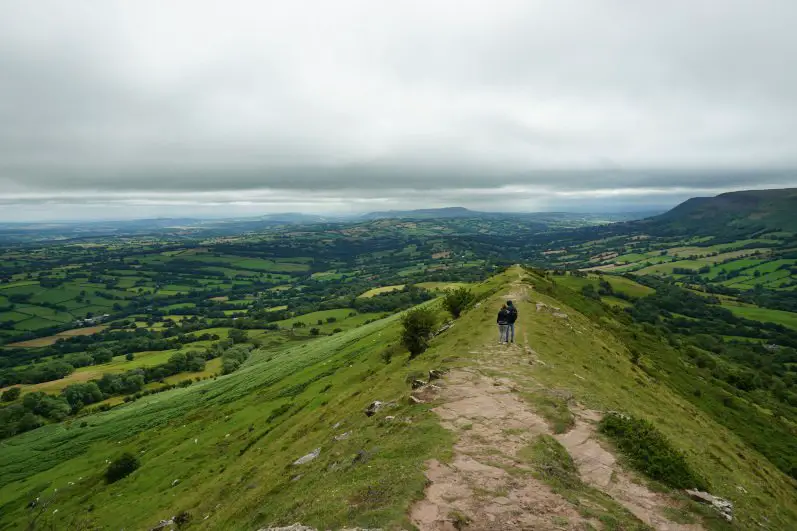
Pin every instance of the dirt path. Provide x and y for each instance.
(479, 487)
(599, 468)
(488, 486)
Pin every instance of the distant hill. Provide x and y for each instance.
(743, 212)
(551, 219)
(297, 217)
(425, 213)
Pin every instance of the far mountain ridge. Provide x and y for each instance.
(462, 212)
(424, 213)
(744, 211)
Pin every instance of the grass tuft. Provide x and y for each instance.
(554, 409)
(650, 452)
(551, 462)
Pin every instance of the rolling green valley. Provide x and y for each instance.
(398, 266)
(348, 375)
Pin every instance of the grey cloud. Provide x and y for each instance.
(374, 179)
(358, 104)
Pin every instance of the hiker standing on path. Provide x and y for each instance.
(503, 324)
(511, 311)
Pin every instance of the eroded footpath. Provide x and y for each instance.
(492, 482)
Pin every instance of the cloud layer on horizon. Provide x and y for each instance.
(156, 108)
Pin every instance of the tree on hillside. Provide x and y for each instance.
(82, 394)
(418, 326)
(457, 300)
(238, 336)
(102, 355)
(605, 288)
(9, 395)
(590, 292)
(121, 467)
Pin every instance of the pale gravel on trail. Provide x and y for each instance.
(492, 424)
(476, 484)
(599, 468)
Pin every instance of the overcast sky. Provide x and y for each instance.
(170, 108)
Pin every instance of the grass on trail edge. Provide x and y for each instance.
(552, 464)
(589, 355)
(650, 452)
(553, 408)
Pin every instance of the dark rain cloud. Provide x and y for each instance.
(179, 107)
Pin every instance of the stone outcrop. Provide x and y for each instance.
(300, 527)
(374, 407)
(307, 458)
(722, 505)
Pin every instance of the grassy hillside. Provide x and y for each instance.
(748, 210)
(764, 314)
(222, 450)
(230, 442)
(588, 355)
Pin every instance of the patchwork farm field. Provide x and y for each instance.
(103, 324)
(618, 283)
(441, 286)
(220, 358)
(742, 264)
(383, 289)
(764, 315)
(49, 340)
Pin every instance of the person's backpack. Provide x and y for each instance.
(511, 314)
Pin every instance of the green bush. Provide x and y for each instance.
(238, 336)
(418, 326)
(551, 462)
(389, 352)
(650, 451)
(11, 394)
(457, 300)
(121, 467)
(233, 358)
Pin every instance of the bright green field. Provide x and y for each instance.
(95, 372)
(383, 289)
(327, 275)
(736, 265)
(272, 265)
(625, 285)
(668, 267)
(441, 286)
(47, 313)
(13, 316)
(765, 315)
(342, 320)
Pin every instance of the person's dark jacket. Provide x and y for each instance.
(503, 317)
(511, 313)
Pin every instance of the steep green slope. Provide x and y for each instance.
(741, 212)
(591, 354)
(222, 449)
